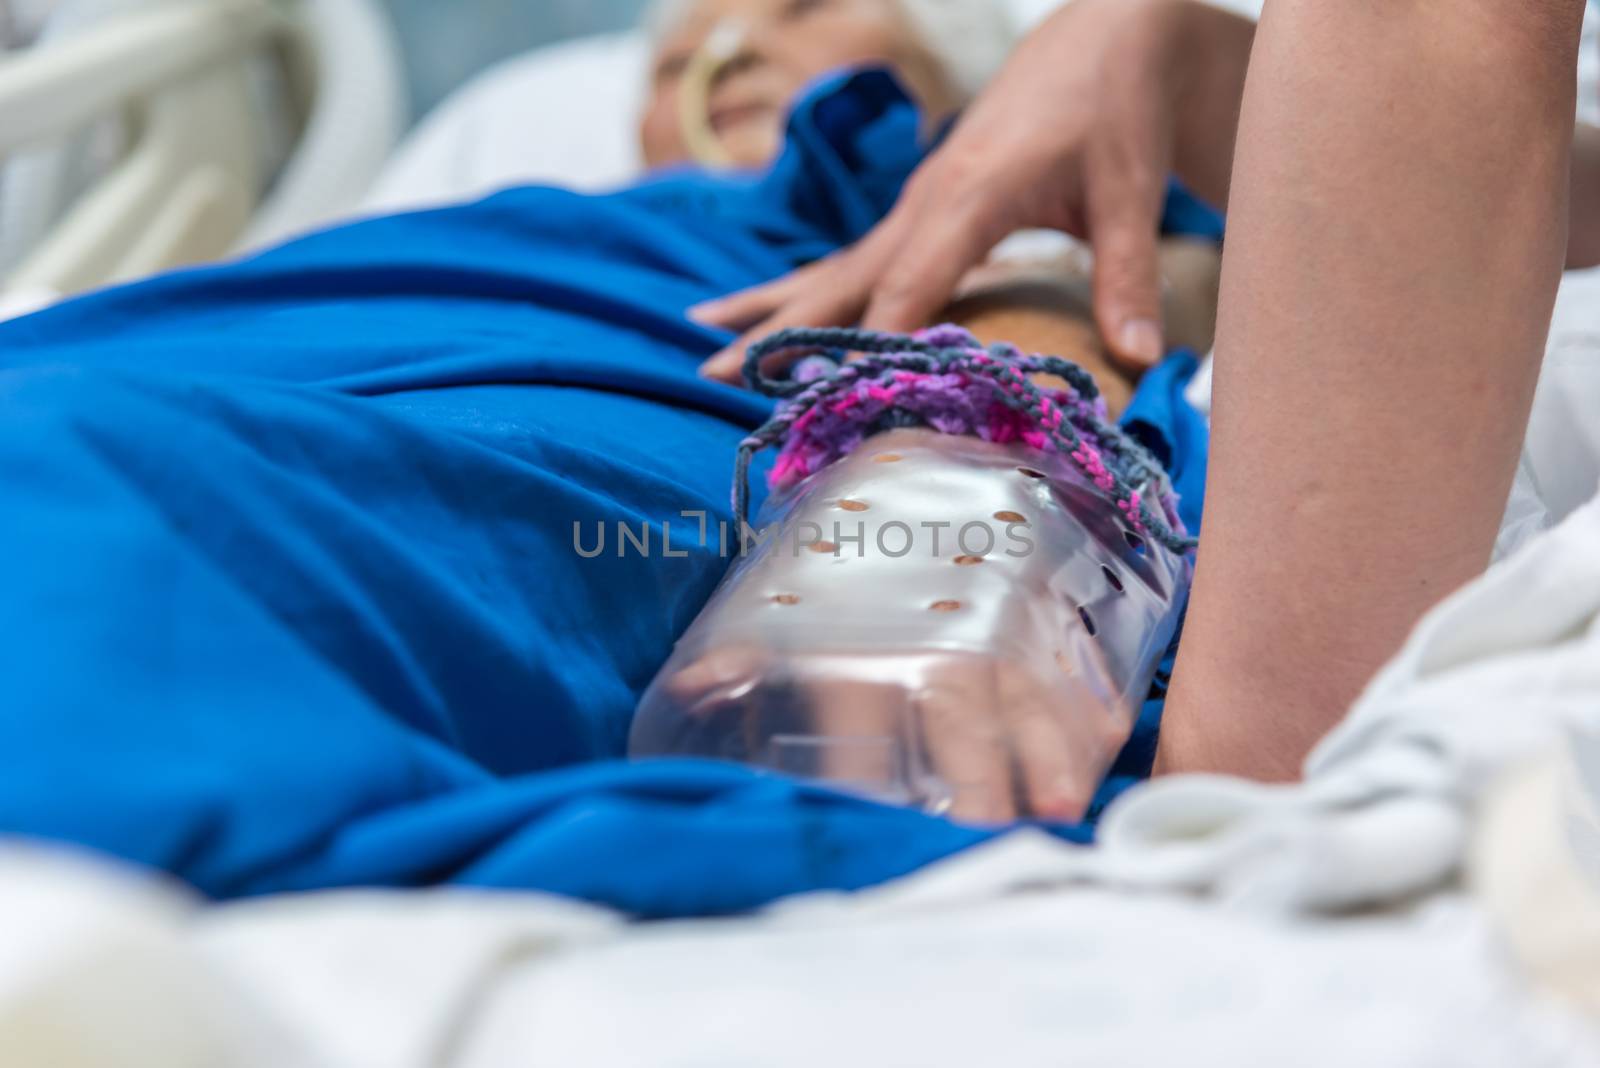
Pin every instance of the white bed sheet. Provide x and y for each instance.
(965, 965)
(1047, 979)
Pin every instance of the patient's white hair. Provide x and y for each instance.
(969, 38)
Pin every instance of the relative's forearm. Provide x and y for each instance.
(1398, 230)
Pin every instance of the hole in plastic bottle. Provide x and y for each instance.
(1011, 517)
(1113, 578)
(945, 606)
(1135, 542)
(886, 458)
(1088, 622)
(968, 560)
(1030, 472)
(786, 598)
(853, 506)
(823, 547)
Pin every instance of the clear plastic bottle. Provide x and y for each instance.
(932, 620)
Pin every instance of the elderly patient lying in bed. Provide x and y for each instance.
(726, 72)
(291, 596)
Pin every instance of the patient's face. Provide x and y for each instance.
(787, 44)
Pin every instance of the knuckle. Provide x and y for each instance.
(898, 285)
(961, 176)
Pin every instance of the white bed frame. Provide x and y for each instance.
(189, 185)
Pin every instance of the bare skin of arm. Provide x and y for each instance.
(1398, 227)
(1048, 308)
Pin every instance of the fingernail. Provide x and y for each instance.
(1141, 339)
(703, 312)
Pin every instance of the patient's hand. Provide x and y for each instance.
(881, 642)
(980, 737)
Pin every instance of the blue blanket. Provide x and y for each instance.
(290, 593)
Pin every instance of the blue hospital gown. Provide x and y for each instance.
(288, 592)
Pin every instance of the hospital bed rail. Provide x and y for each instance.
(194, 179)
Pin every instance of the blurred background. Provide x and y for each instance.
(138, 135)
(445, 42)
(141, 135)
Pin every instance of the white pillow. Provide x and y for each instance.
(564, 115)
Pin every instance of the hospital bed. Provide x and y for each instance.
(140, 135)
(1216, 924)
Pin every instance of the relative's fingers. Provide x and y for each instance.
(744, 309)
(1124, 210)
(910, 289)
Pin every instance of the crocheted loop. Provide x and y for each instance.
(834, 342)
(943, 378)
